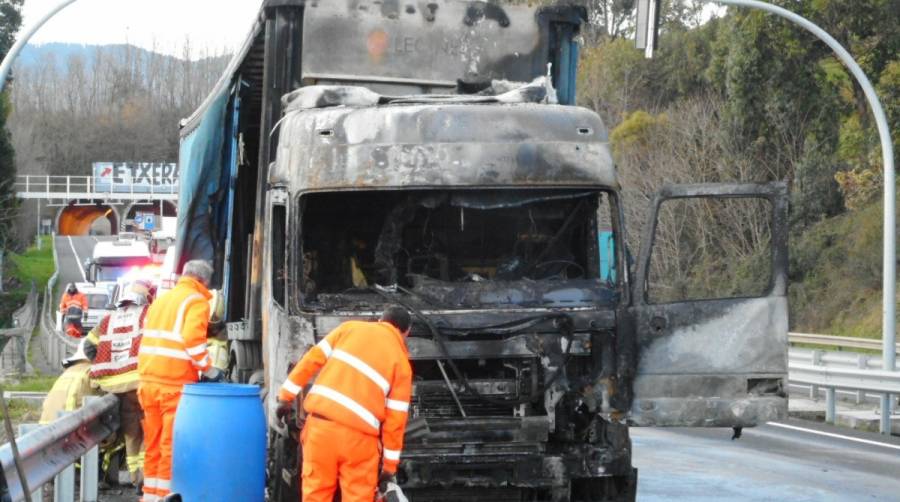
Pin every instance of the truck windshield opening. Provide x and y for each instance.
(459, 248)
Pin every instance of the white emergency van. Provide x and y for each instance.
(112, 260)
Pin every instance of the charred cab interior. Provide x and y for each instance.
(457, 248)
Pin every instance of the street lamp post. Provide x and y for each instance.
(6, 65)
(24, 38)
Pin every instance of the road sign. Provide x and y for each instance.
(149, 222)
(135, 177)
(138, 219)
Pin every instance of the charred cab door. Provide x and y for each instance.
(710, 307)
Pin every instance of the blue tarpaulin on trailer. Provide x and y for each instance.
(201, 161)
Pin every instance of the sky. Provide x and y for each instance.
(216, 25)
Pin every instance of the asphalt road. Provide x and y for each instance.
(794, 461)
(71, 252)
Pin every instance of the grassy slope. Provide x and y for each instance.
(836, 276)
(20, 271)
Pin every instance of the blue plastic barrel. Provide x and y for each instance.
(219, 448)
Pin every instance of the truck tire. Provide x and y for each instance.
(247, 357)
(605, 489)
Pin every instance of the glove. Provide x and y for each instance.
(383, 480)
(212, 375)
(284, 410)
(90, 350)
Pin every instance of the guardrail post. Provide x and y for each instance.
(64, 483)
(862, 363)
(90, 469)
(830, 406)
(38, 494)
(817, 361)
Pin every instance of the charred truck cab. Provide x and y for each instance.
(429, 154)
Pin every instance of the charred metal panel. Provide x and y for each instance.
(717, 362)
(288, 339)
(281, 75)
(424, 45)
(515, 347)
(468, 457)
(714, 337)
(444, 145)
(582, 320)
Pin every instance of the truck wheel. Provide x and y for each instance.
(247, 357)
(605, 489)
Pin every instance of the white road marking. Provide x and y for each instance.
(77, 259)
(833, 435)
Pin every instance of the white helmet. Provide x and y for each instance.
(79, 355)
(136, 293)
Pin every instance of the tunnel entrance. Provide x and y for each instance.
(167, 208)
(87, 219)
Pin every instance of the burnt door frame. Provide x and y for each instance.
(719, 362)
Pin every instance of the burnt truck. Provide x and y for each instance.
(429, 153)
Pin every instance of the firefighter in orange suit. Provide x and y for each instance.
(173, 353)
(73, 305)
(356, 409)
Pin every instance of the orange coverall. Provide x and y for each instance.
(361, 395)
(173, 352)
(77, 300)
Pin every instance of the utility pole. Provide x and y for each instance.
(647, 25)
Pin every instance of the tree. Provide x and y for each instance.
(782, 107)
(10, 21)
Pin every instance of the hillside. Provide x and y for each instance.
(72, 105)
(61, 54)
(836, 275)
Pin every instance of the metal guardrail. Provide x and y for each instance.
(838, 341)
(51, 449)
(89, 187)
(56, 345)
(833, 371)
(14, 350)
(838, 376)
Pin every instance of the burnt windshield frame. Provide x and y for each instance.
(772, 192)
(610, 203)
